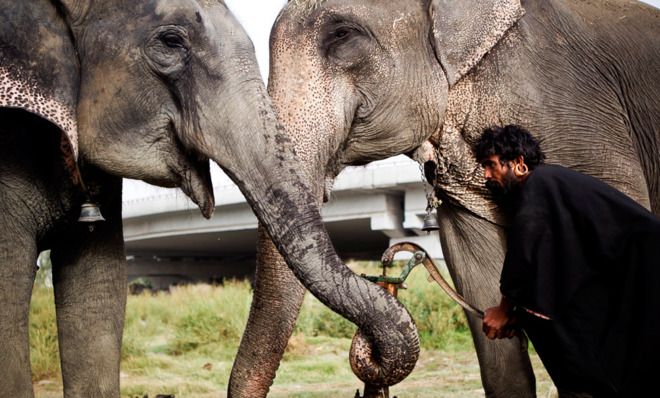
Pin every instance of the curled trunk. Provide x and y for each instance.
(260, 160)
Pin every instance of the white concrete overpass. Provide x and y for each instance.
(167, 239)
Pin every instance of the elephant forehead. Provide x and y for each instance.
(305, 5)
(211, 3)
(392, 23)
(183, 12)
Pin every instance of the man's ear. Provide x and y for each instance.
(465, 30)
(520, 168)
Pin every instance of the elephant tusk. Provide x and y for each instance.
(429, 264)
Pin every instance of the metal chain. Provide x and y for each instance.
(432, 202)
(424, 182)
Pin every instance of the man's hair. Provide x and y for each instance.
(509, 142)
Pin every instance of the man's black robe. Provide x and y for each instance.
(588, 257)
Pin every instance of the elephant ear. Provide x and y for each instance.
(466, 30)
(39, 69)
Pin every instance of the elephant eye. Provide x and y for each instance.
(338, 35)
(344, 42)
(168, 51)
(341, 33)
(173, 40)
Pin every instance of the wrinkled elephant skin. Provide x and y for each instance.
(92, 91)
(360, 80)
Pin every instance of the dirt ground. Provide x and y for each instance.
(437, 375)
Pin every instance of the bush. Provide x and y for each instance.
(441, 323)
(210, 316)
(203, 321)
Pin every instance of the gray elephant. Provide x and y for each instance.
(360, 80)
(91, 91)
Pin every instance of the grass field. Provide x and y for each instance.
(184, 342)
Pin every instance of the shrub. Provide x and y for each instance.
(440, 322)
(210, 316)
(204, 321)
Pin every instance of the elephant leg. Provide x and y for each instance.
(276, 303)
(18, 256)
(90, 280)
(475, 256)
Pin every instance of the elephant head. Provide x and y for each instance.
(152, 89)
(353, 82)
(360, 81)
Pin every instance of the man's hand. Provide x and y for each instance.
(499, 322)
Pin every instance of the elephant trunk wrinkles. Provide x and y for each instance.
(379, 315)
(263, 165)
(365, 363)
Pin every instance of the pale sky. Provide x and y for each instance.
(257, 17)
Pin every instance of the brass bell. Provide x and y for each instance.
(90, 212)
(430, 223)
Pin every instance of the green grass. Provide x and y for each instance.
(44, 353)
(184, 342)
(440, 322)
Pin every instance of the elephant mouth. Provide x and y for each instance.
(332, 170)
(194, 176)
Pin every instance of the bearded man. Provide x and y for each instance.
(581, 274)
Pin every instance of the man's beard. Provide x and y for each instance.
(505, 195)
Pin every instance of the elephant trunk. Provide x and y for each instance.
(381, 318)
(259, 158)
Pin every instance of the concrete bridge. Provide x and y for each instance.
(168, 241)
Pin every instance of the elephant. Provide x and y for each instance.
(93, 91)
(361, 80)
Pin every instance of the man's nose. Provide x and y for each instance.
(487, 174)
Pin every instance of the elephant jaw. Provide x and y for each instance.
(333, 167)
(196, 184)
(328, 182)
